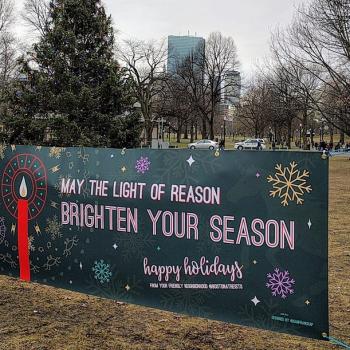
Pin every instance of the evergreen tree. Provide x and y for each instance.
(74, 88)
(126, 132)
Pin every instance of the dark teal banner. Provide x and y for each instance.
(234, 236)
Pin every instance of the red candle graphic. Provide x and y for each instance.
(23, 248)
(24, 191)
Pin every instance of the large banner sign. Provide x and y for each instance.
(234, 236)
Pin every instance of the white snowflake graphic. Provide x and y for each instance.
(280, 283)
(289, 184)
(102, 271)
(53, 228)
(142, 165)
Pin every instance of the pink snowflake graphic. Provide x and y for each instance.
(280, 283)
(142, 165)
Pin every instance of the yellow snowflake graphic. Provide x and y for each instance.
(31, 245)
(56, 152)
(289, 184)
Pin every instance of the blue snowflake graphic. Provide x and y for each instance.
(280, 283)
(102, 271)
(142, 165)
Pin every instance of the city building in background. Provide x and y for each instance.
(230, 101)
(182, 47)
(233, 88)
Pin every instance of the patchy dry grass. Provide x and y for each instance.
(44, 318)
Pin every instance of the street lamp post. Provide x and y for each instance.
(160, 127)
(322, 131)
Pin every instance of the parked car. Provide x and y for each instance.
(204, 144)
(250, 144)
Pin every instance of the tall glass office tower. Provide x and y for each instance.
(233, 88)
(180, 48)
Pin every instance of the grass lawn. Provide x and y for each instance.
(35, 317)
(231, 141)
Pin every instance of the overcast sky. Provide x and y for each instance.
(249, 22)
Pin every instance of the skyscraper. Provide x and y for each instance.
(182, 47)
(233, 87)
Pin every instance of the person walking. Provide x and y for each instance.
(258, 147)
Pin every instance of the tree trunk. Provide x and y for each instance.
(212, 133)
(178, 135)
(204, 129)
(192, 133)
(211, 125)
(289, 133)
(331, 133)
(342, 137)
(148, 131)
(304, 123)
(186, 131)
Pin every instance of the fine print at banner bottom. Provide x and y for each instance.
(234, 236)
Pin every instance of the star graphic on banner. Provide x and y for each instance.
(309, 224)
(190, 161)
(158, 248)
(257, 175)
(255, 262)
(115, 246)
(123, 169)
(81, 266)
(307, 302)
(127, 287)
(255, 301)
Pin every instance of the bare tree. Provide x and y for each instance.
(207, 74)
(36, 15)
(277, 101)
(8, 54)
(178, 108)
(318, 42)
(144, 65)
(255, 113)
(190, 79)
(8, 44)
(8, 57)
(6, 14)
(220, 62)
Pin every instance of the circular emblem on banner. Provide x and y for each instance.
(28, 169)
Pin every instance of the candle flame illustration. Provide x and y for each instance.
(23, 188)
